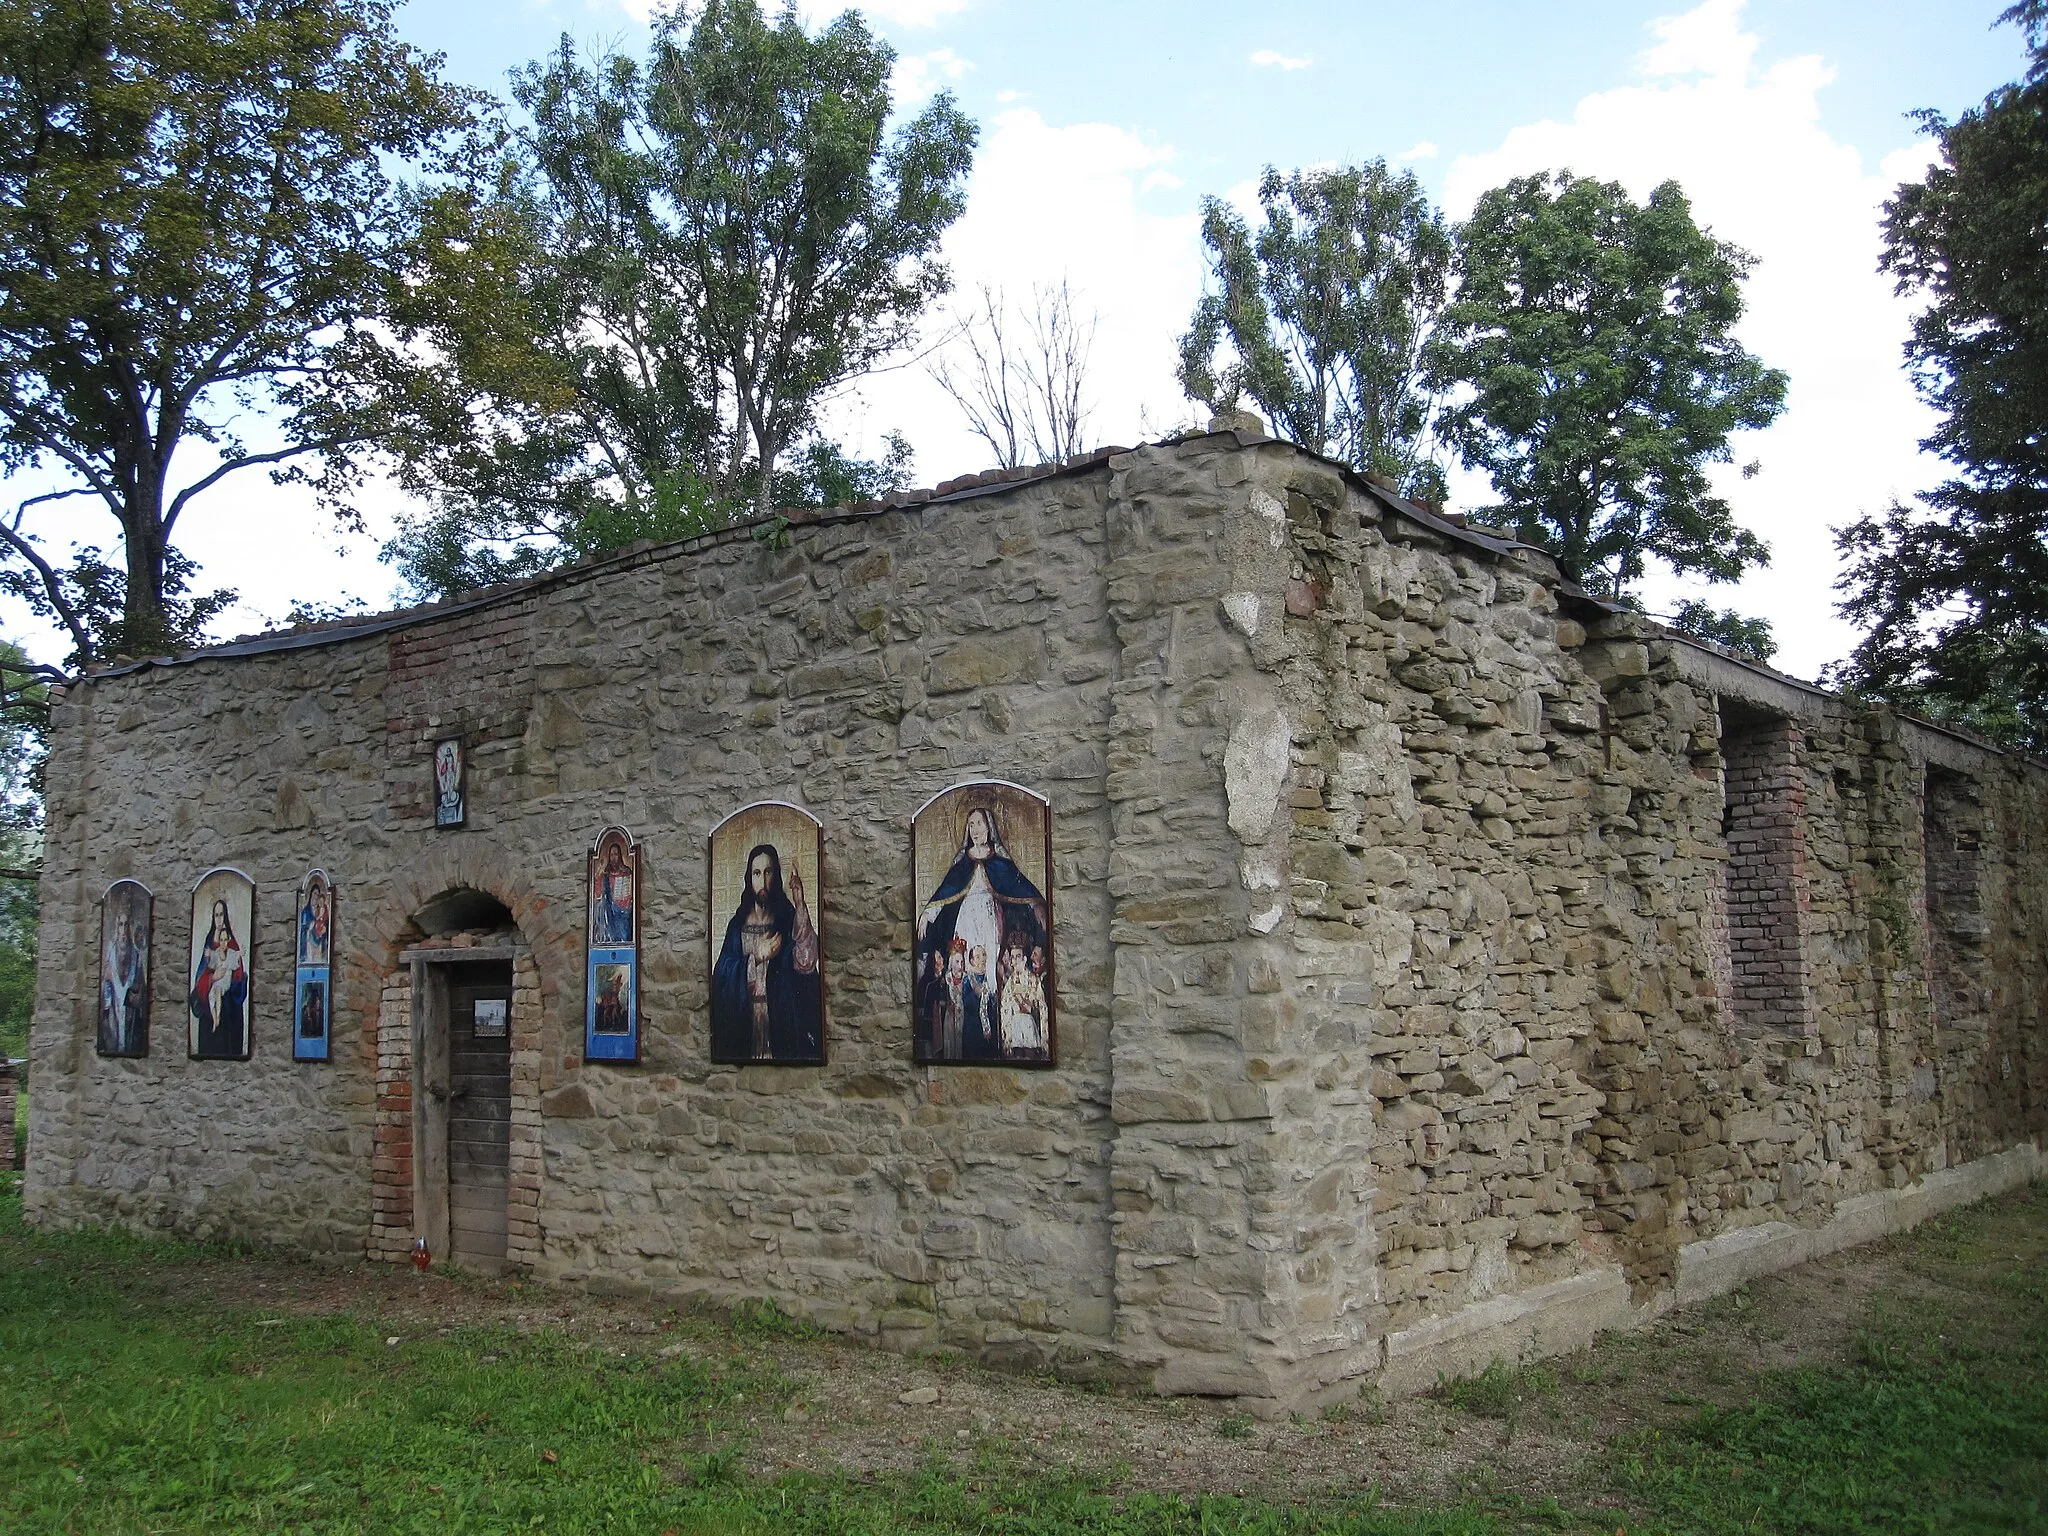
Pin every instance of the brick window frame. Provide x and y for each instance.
(1763, 897)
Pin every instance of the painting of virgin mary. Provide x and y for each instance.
(223, 913)
(983, 980)
(311, 1014)
(316, 920)
(767, 983)
(125, 914)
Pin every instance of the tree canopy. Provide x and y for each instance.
(198, 224)
(1592, 346)
(1955, 590)
(1320, 316)
(626, 333)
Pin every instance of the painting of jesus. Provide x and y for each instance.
(614, 891)
(767, 970)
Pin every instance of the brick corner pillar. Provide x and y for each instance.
(391, 1213)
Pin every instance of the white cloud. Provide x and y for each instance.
(1049, 202)
(1423, 150)
(1706, 41)
(1267, 58)
(1005, 98)
(918, 75)
(1747, 145)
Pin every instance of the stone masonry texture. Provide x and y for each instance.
(1432, 940)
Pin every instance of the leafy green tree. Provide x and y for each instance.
(1955, 591)
(814, 240)
(1724, 626)
(198, 224)
(22, 721)
(625, 333)
(1320, 317)
(1592, 342)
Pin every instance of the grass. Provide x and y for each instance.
(1938, 1424)
(136, 1396)
(128, 1409)
(1501, 1391)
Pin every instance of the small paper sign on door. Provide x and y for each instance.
(491, 1017)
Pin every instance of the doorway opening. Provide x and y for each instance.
(478, 1110)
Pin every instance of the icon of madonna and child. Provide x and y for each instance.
(767, 976)
(984, 953)
(223, 914)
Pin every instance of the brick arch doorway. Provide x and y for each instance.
(458, 1154)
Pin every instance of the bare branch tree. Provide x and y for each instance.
(981, 384)
(1022, 382)
(1057, 367)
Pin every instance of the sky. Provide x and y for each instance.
(1105, 124)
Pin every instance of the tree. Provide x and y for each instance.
(815, 244)
(1724, 626)
(197, 224)
(23, 719)
(1592, 339)
(1023, 384)
(623, 335)
(1324, 313)
(1955, 590)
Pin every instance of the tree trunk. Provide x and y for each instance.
(145, 626)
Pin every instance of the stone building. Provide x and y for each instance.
(1450, 966)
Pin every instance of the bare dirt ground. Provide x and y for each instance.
(842, 1404)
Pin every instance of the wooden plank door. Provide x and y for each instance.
(479, 1112)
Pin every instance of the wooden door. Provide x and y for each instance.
(479, 1112)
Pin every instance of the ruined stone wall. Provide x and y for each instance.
(1399, 935)
(1638, 940)
(1065, 635)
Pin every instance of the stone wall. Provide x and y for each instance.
(1411, 909)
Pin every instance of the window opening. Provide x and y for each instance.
(1762, 824)
(1952, 831)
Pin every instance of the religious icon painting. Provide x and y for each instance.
(451, 793)
(219, 965)
(611, 1023)
(981, 862)
(767, 962)
(312, 1013)
(126, 914)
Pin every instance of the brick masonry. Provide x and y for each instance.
(1447, 964)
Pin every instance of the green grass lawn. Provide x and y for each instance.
(1940, 1423)
(128, 1406)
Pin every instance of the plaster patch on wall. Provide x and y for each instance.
(1243, 611)
(1255, 764)
(1260, 871)
(1390, 936)
(1275, 515)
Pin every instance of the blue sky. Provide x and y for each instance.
(1105, 124)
